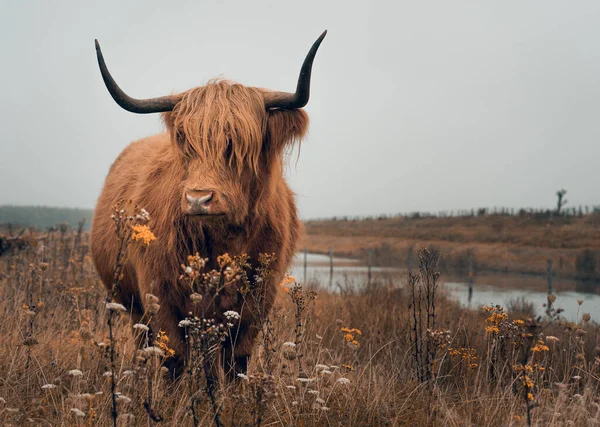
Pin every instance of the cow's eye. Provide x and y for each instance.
(229, 150)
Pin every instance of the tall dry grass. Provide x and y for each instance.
(390, 354)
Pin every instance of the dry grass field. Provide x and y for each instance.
(391, 354)
(498, 243)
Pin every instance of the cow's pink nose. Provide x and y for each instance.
(199, 201)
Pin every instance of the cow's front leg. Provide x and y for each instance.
(234, 363)
(171, 338)
(235, 354)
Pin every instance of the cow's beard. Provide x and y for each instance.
(214, 234)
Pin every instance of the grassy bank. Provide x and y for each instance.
(496, 243)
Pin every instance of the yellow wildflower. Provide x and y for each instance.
(288, 281)
(162, 342)
(142, 233)
(540, 346)
(491, 329)
(224, 261)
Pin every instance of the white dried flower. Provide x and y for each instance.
(101, 344)
(315, 392)
(326, 372)
(141, 327)
(124, 399)
(319, 400)
(289, 344)
(243, 376)
(107, 374)
(189, 270)
(291, 387)
(185, 323)
(152, 299)
(324, 408)
(306, 380)
(230, 314)
(196, 298)
(75, 373)
(552, 338)
(344, 381)
(154, 351)
(576, 377)
(78, 412)
(320, 367)
(115, 306)
(48, 386)
(294, 403)
(12, 409)
(143, 215)
(128, 373)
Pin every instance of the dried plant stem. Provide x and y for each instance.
(113, 385)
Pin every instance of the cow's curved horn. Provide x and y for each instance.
(300, 98)
(140, 106)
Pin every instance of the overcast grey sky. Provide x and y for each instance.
(414, 105)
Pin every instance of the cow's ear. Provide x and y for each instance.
(286, 127)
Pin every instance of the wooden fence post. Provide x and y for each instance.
(330, 268)
(305, 264)
(369, 267)
(549, 276)
(470, 277)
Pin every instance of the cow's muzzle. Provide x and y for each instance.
(200, 202)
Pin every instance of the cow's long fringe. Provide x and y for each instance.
(220, 117)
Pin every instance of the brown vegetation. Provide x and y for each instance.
(498, 243)
(390, 354)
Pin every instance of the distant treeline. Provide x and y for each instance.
(42, 217)
(542, 213)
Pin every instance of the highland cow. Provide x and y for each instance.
(212, 184)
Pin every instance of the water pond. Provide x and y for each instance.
(490, 289)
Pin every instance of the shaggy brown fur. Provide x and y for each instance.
(220, 137)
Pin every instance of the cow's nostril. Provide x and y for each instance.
(199, 200)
